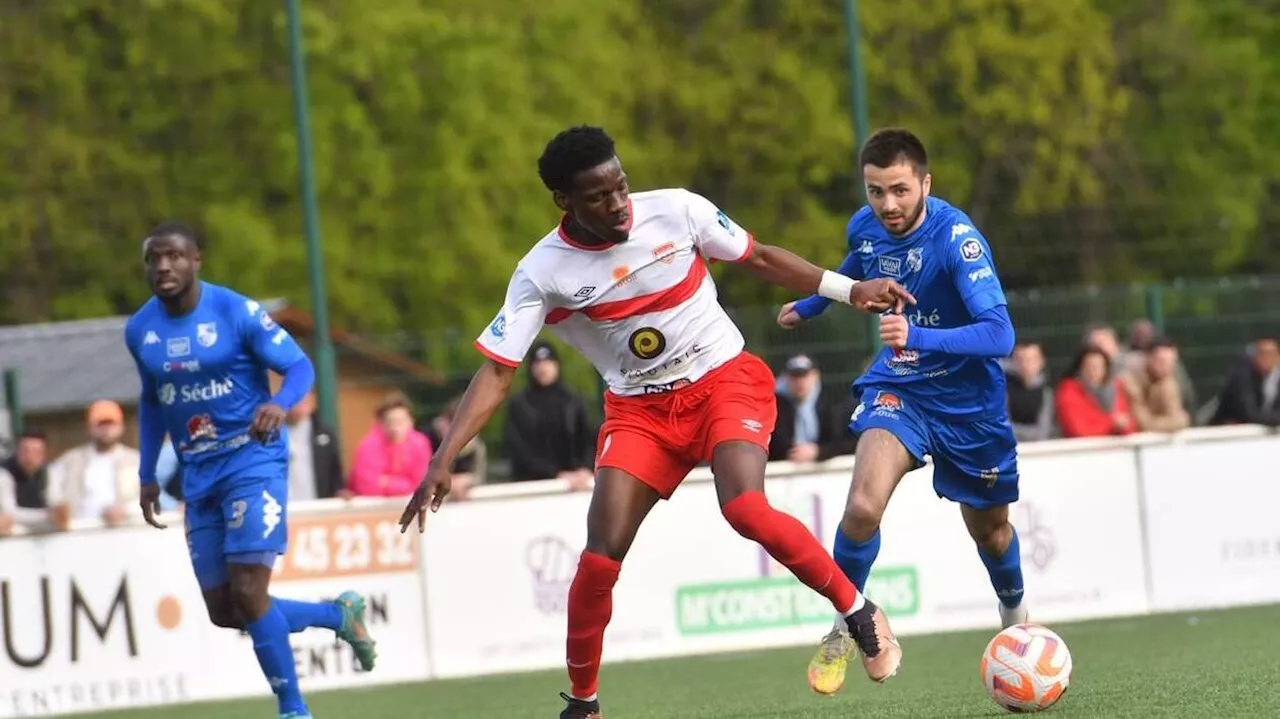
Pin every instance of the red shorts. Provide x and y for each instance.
(659, 438)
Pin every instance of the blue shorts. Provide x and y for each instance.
(974, 463)
(242, 520)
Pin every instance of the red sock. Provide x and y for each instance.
(792, 544)
(590, 606)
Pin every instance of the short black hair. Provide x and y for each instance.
(170, 227)
(34, 433)
(891, 145)
(572, 151)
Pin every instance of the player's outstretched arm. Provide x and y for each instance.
(787, 269)
(486, 392)
(793, 313)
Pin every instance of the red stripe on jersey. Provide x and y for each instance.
(558, 315)
(751, 246)
(659, 301)
(490, 354)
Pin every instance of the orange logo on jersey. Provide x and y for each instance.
(888, 401)
(622, 275)
(666, 252)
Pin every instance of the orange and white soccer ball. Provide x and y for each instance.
(1026, 668)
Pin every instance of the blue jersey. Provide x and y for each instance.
(946, 264)
(207, 374)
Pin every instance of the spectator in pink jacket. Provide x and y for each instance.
(392, 458)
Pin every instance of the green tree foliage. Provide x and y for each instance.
(1093, 140)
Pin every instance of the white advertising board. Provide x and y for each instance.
(692, 585)
(114, 618)
(1213, 523)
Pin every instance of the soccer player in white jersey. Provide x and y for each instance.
(624, 280)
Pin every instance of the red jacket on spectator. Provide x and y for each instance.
(1080, 415)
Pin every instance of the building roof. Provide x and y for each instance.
(67, 365)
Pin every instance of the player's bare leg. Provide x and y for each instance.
(619, 505)
(222, 611)
(881, 463)
(998, 546)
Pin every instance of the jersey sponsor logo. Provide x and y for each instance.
(182, 366)
(915, 259)
(725, 222)
(622, 275)
(585, 292)
(984, 273)
(178, 346)
(920, 319)
(647, 343)
(150, 339)
(189, 393)
(960, 230)
(207, 334)
(201, 427)
(498, 328)
(971, 250)
(887, 401)
(167, 393)
(890, 266)
(666, 386)
(903, 362)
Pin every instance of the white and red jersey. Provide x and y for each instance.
(643, 311)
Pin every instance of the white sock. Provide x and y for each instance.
(858, 603)
(586, 699)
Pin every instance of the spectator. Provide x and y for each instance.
(392, 457)
(1142, 337)
(1103, 339)
(810, 427)
(469, 467)
(1249, 396)
(98, 479)
(1153, 392)
(315, 465)
(1030, 399)
(24, 483)
(548, 434)
(1090, 402)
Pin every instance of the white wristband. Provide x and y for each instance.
(835, 286)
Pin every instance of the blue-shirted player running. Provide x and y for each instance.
(936, 388)
(203, 353)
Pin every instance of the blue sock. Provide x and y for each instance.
(1006, 573)
(855, 558)
(271, 643)
(304, 615)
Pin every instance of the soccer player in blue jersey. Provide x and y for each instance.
(936, 387)
(203, 352)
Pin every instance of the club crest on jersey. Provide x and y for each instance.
(207, 334)
(647, 343)
(971, 250)
(665, 253)
(890, 266)
(915, 259)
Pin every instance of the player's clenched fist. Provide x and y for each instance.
(894, 330)
(788, 318)
(879, 295)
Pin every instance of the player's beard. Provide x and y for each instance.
(909, 220)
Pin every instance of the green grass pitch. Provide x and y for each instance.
(1206, 664)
